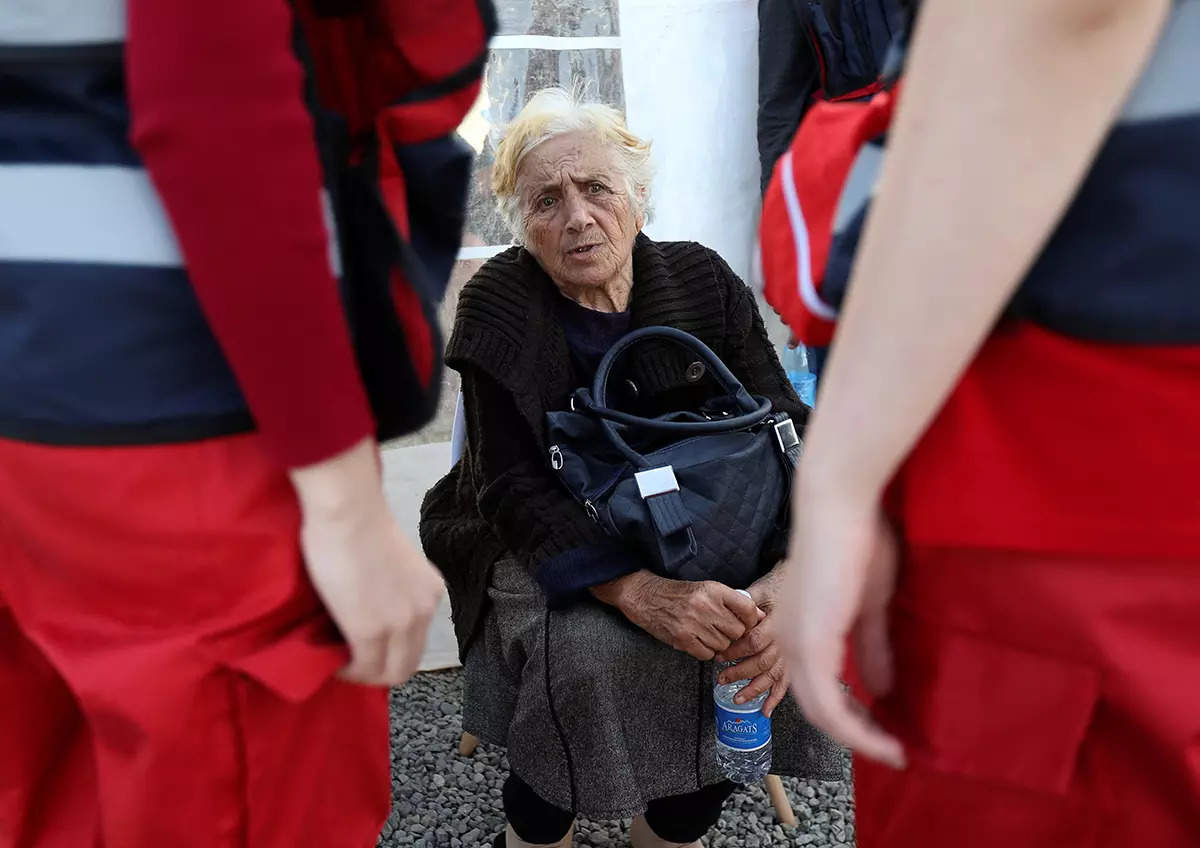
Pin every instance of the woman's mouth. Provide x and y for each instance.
(582, 250)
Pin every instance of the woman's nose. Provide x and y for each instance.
(579, 216)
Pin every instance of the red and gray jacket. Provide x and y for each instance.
(810, 51)
(1123, 265)
(102, 337)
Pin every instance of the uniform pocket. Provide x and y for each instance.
(311, 750)
(970, 705)
(296, 665)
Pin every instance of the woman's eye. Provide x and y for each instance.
(595, 188)
(546, 202)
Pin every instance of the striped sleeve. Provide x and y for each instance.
(219, 121)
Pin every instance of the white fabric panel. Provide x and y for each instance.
(105, 215)
(1171, 83)
(691, 86)
(96, 214)
(59, 22)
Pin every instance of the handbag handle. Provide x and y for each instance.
(753, 409)
(720, 372)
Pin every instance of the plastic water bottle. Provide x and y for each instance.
(743, 732)
(795, 363)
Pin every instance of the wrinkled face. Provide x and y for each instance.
(578, 216)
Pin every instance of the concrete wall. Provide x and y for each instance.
(408, 472)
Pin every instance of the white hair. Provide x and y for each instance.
(552, 112)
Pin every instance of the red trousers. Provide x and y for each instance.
(166, 670)
(1045, 702)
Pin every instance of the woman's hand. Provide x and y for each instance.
(838, 581)
(378, 588)
(757, 654)
(699, 618)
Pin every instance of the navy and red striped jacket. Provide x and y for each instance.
(1122, 265)
(102, 338)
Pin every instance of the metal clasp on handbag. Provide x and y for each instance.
(656, 481)
(785, 435)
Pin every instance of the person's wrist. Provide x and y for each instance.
(763, 590)
(343, 487)
(825, 482)
(617, 593)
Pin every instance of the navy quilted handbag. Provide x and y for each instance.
(699, 493)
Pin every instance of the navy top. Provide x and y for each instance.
(590, 334)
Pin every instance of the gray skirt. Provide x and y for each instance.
(598, 716)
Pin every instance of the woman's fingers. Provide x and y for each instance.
(729, 626)
(760, 682)
(743, 607)
(713, 638)
(368, 660)
(694, 647)
(748, 669)
(708, 608)
(778, 691)
(873, 652)
(829, 707)
(754, 642)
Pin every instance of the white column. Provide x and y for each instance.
(691, 86)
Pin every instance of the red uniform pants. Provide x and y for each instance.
(166, 670)
(1046, 702)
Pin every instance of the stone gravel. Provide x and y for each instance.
(443, 799)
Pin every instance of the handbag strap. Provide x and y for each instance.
(720, 372)
(753, 410)
(581, 401)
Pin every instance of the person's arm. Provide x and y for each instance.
(787, 77)
(702, 618)
(218, 120)
(986, 153)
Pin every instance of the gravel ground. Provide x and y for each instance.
(443, 799)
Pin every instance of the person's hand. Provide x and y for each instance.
(839, 578)
(757, 654)
(379, 590)
(699, 618)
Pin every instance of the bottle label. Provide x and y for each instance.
(742, 730)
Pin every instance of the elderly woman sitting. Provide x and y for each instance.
(592, 670)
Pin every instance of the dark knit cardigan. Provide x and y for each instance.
(502, 498)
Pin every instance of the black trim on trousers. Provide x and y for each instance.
(107, 52)
(171, 431)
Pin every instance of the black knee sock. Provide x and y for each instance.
(533, 818)
(686, 818)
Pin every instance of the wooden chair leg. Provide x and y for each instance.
(779, 800)
(467, 744)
